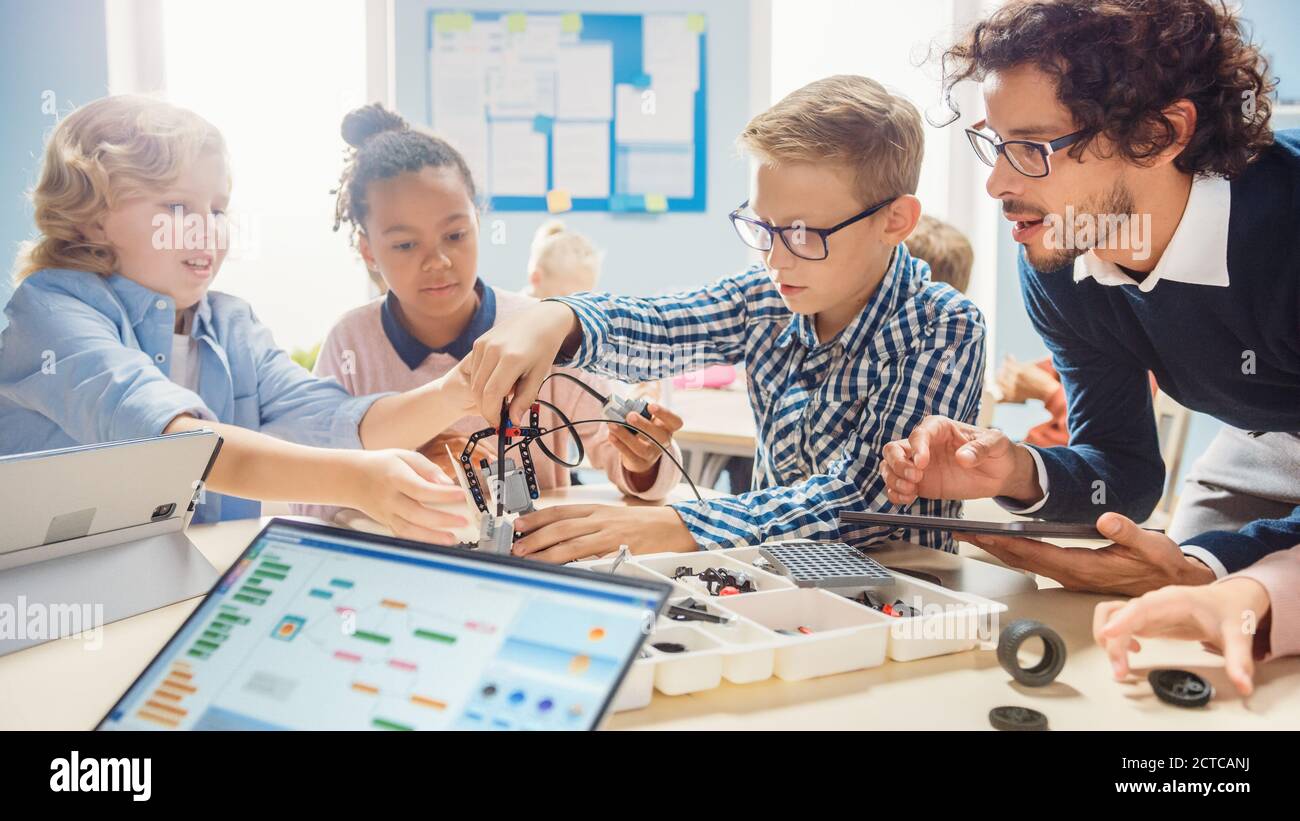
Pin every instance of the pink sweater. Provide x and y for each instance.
(1279, 573)
(358, 354)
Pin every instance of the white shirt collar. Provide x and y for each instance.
(1197, 253)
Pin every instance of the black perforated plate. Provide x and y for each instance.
(817, 564)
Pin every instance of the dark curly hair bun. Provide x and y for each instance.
(383, 146)
(362, 123)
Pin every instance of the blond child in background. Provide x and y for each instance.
(561, 262)
(945, 249)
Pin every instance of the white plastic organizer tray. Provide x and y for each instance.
(790, 632)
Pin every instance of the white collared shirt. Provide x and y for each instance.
(185, 355)
(1197, 253)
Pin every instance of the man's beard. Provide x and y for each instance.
(1118, 200)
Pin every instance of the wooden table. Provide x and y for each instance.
(68, 685)
(717, 424)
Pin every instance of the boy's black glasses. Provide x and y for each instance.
(1026, 156)
(803, 242)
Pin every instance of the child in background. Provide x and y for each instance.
(945, 249)
(409, 200)
(114, 334)
(1019, 382)
(561, 262)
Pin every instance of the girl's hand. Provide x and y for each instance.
(1224, 615)
(640, 455)
(396, 487)
(454, 389)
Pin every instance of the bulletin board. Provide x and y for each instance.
(573, 112)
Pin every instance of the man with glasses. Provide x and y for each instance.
(846, 342)
(1158, 218)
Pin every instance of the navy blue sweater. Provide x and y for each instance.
(1232, 353)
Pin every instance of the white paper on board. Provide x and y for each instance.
(580, 153)
(518, 160)
(670, 52)
(514, 91)
(470, 138)
(522, 81)
(584, 74)
(662, 113)
(539, 41)
(660, 170)
(460, 102)
(459, 89)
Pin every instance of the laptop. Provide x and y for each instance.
(96, 533)
(320, 628)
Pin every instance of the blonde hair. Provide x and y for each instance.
(104, 152)
(946, 249)
(849, 120)
(567, 261)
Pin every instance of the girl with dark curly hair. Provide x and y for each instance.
(410, 204)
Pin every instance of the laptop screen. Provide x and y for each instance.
(317, 628)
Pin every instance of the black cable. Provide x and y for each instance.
(633, 428)
(582, 453)
(603, 400)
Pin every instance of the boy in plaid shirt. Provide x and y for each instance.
(846, 342)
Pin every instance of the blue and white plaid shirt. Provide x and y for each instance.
(824, 411)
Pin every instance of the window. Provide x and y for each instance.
(277, 78)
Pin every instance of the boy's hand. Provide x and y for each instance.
(395, 487)
(945, 459)
(1224, 616)
(513, 358)
(640, 456)
(571, 532)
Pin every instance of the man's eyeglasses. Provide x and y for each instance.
(803, 242)
(1026, 156)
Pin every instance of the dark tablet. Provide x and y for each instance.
(1029, 529)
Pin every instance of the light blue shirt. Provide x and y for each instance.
(86, 359)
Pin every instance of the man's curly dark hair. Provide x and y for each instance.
(1119, 63)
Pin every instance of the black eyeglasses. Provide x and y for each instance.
(1026, 156)
(803, 242)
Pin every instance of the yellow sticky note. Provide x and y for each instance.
(656, 203)
(695, 22)
(458, 21)
(571, 23)
(516, 23)
(558, 201)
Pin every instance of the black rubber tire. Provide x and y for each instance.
(1015, 719)
(1047, 669)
